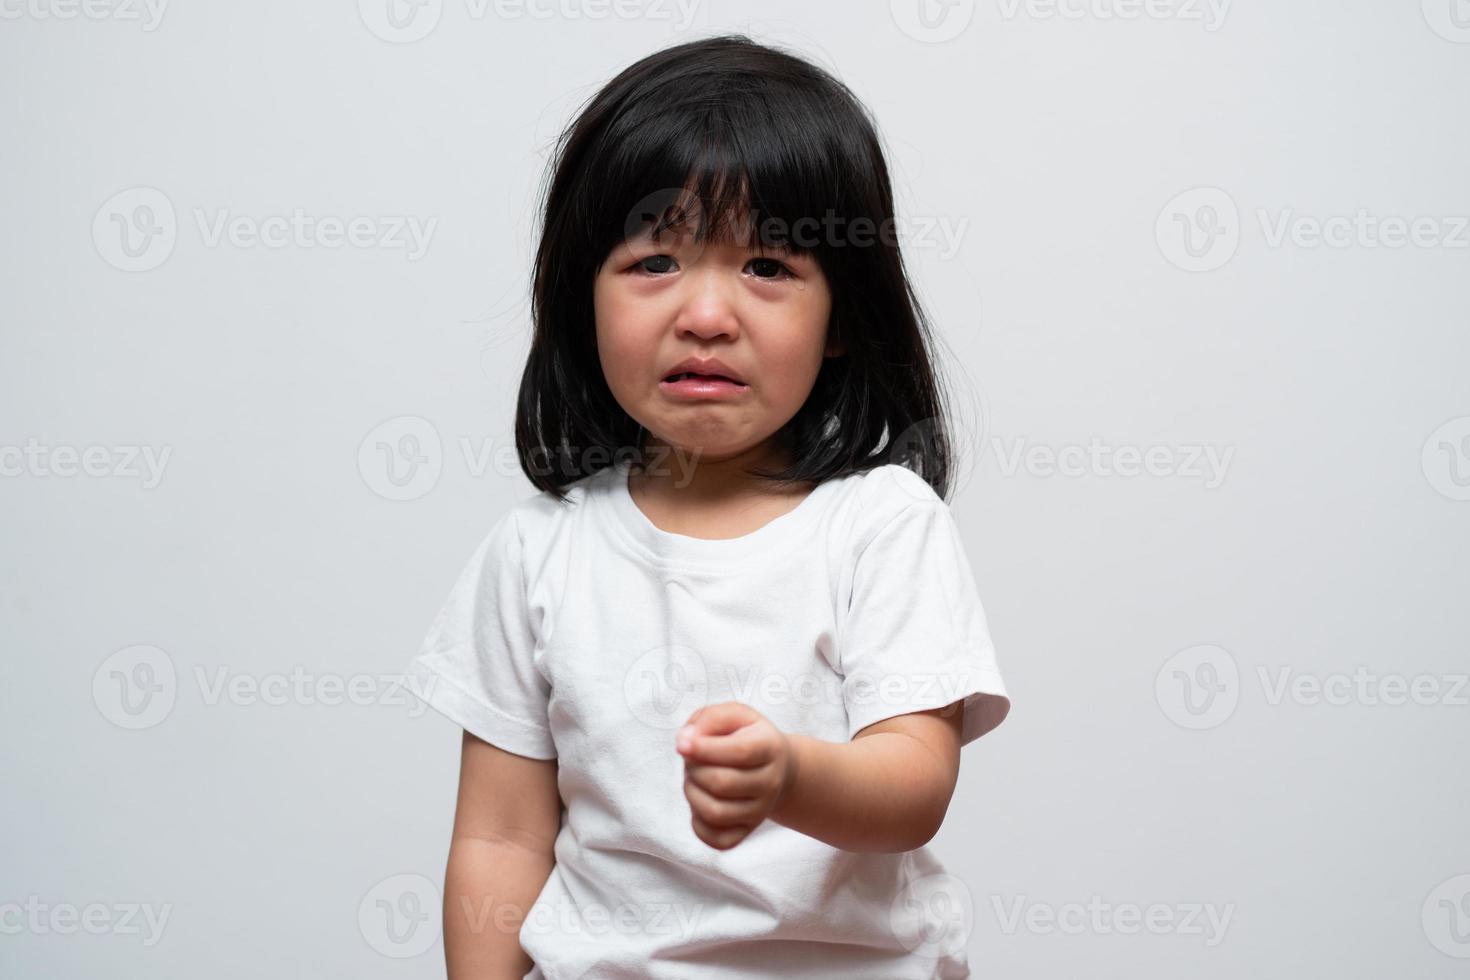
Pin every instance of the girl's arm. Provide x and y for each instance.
(505, 827)
(887, 790)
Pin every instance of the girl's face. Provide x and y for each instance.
(762, 313)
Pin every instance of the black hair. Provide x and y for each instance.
(743, 129)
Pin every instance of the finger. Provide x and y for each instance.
(721, 813)
(746, 748)
(719, 809)
(720, 719)
(726, 782)
(719, 838)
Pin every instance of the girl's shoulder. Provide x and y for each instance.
(887, 489)
(868, 501)
(544, 508)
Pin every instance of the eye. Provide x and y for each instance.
(657, 262)
(774, 269)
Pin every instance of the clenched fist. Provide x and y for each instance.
(737, 767)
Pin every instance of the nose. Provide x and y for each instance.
(707, 308)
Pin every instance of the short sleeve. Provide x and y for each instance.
(476, 664)
(915, 635)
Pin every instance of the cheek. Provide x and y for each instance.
(604, 310)
(622, 343)
(795, 349)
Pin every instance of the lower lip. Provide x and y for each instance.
(691, 388)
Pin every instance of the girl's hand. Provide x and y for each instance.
(737, 767)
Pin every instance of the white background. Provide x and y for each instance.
(1330, 380)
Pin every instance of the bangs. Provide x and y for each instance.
(736, 171)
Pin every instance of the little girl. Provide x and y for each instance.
(714, 678)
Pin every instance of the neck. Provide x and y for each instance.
(695, 474)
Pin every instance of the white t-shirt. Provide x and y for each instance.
(580, 631)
